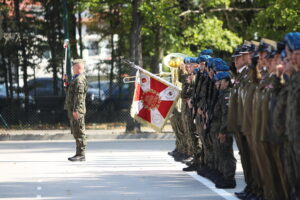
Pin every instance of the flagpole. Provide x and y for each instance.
(149, 73)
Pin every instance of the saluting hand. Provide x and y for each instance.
(222, 137)
(76, 115)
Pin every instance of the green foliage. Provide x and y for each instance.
(281, 17)
(213, 3)
(210, 33)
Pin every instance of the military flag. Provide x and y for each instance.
(154, 99)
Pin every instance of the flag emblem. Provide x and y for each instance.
(154, 99)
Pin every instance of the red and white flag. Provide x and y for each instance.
(154, 99)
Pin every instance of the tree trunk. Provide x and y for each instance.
(135, 53)
(24, 54)
(159, 49)
(10, 80)
(72, 25)
(80, 33)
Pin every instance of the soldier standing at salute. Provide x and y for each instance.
(293, 114)
(75, 106)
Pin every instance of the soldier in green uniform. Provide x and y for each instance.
(235, 123)
(293, 114)
(220, 131)
(75, 106)
(247, 92)
(185, 94)
(199, 83)
(190, 126)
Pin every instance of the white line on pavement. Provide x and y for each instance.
(226, 195)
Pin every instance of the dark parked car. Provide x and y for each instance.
(46, 99)
(12, 109)
(118, 98)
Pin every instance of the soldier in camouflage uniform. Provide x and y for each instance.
(219, 130)
(75, 106)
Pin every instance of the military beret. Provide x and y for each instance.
(187, 60)
(219, 67)
(294, 41)
(78, 61)
(203, 58)
(206, 52)
(194, 60)
(210, 62)
(283, 55)
(221, 75)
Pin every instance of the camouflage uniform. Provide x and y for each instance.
(292, 131)
(177, 126)
(75, 102)
(203, 134)
(184, 115)
(226, 161)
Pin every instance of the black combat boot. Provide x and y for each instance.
(243, 194)
(191, 168)
(226, 183)
(77, 158)
(172, 153)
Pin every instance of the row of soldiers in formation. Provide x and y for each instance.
(257, 103)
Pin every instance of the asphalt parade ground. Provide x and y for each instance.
(120, 169)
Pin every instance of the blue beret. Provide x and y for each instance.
(296, 41)
(292, 40)
(218, 61)
(194, 60)
(283, 55)
(221, 75)
(221, 67)
(206, 52)
(210, 62)
(203, 58)
(187, 60)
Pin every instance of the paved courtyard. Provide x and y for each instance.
(115, 169)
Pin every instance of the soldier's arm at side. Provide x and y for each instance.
(224, 117)
(78, 96)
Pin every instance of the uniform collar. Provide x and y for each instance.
(75, 76)
(242, 69)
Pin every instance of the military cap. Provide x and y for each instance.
(280, 47)
(221, 75)
(245, 48)
(293, 40)
(203, 58)
(237, 52)
(263, 46)
(270, 54)
(78, 61)
(206, 52)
